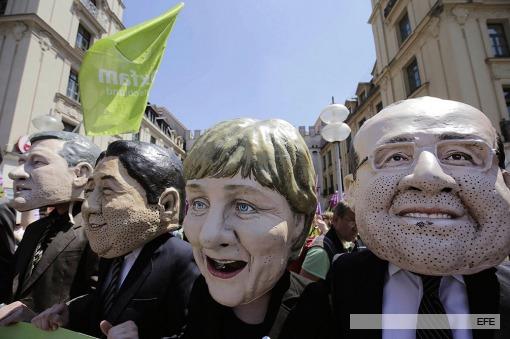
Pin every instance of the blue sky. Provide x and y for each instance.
(260, 58)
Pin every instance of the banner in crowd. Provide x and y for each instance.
(25, 330)
(117, 74)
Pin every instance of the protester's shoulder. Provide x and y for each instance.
(32, 229)
(79, 230)
(317, 253)
(78, 222)
(503, 272)
(7, 212)
(352, 261)
(297, 283)
(316, 262)
(174, 243)
(311, 316)
(175, 249)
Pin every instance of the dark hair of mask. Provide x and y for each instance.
(155, 168)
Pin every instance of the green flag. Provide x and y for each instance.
(117, 73)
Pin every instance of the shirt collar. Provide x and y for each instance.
(394, 269)
(133, 254)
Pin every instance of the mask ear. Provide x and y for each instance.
(82, 171)
(170, 204)
(506, 177)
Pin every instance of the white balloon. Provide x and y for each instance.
(334, 113)
(47, 122)
(336, 132)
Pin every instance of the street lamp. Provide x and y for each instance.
(335, 131)
(48, 122)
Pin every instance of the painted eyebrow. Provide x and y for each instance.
(241, 187)
(104, 177)
(455, 136)
(398, 139)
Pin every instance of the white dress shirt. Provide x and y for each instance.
(127, 264)
(402, 295)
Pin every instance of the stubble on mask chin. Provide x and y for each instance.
(479, 241)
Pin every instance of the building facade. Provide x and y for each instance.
(452, 49)
(42, 45)
(162, 128)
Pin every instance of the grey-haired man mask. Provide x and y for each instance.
(54, 172)
(47, 269)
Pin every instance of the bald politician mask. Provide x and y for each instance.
(54, 171)
(134, 195)
(250, 189)
(429, 195)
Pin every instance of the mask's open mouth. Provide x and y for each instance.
(223, 268)
(96, 226)
(429, 213)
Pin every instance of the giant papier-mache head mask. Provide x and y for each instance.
(430, 194)
(250, 189)
(54, 170)
(135, 194)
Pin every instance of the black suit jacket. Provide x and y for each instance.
(357, 282)
(67, 269)
(7, 244)
(154, 294)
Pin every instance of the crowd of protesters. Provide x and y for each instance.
(425, 230)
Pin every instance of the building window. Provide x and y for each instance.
(136, 136)
(379, 107)
(83, 38)
(404, 29)
(498, 39)
(331, 187)
(68, 127)
(323, 161)
(506, 93)
(325, 189)
(3, 6)
(362, 97)
(72, 86)
(330, 162)
(413, 80)
(389, 7)
(153, 140)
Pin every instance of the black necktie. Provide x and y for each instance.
(431, 304)
(113, 286)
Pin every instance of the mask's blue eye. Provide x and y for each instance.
(199, 205)
(244, 207)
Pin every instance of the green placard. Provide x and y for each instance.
(29, 331)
